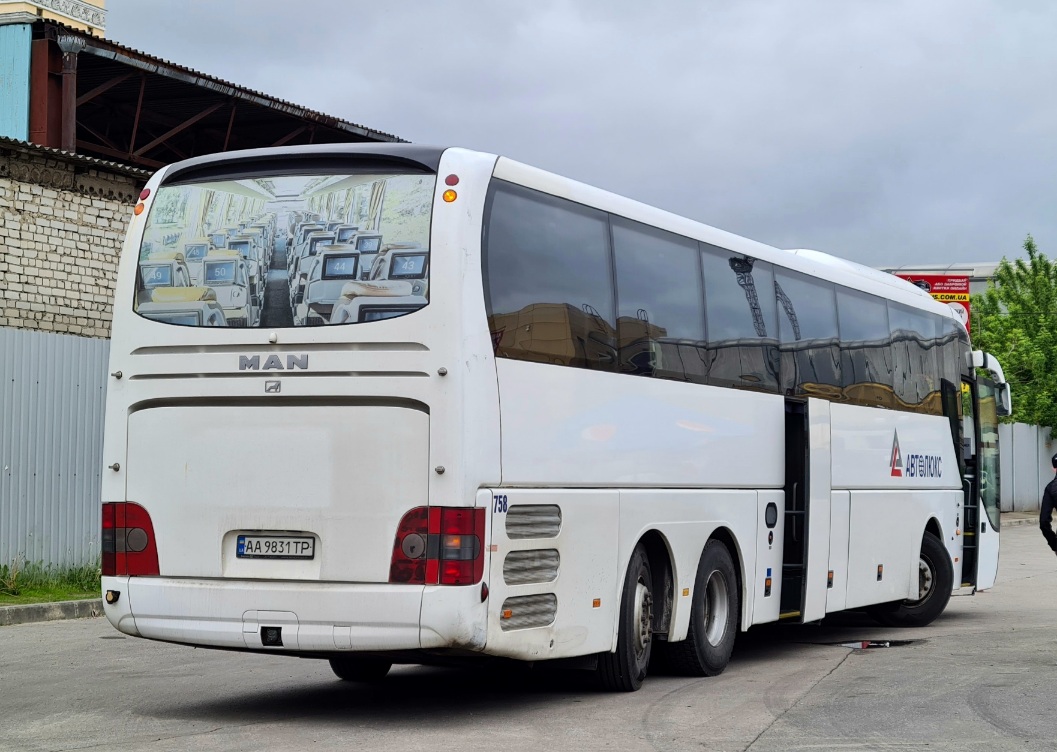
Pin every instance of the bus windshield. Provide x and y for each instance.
(266, 237)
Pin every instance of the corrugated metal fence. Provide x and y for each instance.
(52, 395)
(1025, 469)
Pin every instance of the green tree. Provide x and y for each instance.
(1016, 321)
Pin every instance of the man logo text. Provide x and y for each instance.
(273, 363)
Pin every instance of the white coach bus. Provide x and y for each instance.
(521, 417)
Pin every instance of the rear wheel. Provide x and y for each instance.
(625, 669)
(935, 583)
(360, 668)
(713, 617)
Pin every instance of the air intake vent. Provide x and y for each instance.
(524, 567)
(533, 521)
(526, 611)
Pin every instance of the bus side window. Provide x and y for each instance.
(914, 345)
(807, 328)
(661, 320)
(866, 349)
(548, 281)
(740, 316)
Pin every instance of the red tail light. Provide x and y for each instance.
(128, 546)
(439, 545)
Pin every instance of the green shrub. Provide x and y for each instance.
(20, 578)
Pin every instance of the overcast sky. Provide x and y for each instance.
(884, 131)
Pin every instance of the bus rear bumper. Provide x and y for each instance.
(312, 617)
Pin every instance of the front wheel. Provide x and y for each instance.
(625, 669)
(935, 583)
(713, 617)
(365, 669)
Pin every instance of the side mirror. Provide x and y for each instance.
(1003, 400)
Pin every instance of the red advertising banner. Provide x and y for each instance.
(953, 290)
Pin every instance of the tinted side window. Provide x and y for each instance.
(953, 345)
(865, 348)
(548, 282)
(661, 318)
(914, 354)
(807, 328)
(740, 315)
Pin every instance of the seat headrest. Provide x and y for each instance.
(181, 294)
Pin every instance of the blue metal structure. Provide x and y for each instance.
(15, 48)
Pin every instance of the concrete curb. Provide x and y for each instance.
(10, 615)
(1018, 521)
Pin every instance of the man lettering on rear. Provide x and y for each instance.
(1049, 501)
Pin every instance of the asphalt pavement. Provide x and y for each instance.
(980, 678)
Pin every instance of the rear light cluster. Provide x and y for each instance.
(129, 547)
(439, 546)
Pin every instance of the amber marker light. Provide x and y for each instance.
(139, 209)
(449, 195)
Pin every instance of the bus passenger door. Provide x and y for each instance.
(805, 553)
(982, 511)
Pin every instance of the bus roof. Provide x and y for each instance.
(813, 263)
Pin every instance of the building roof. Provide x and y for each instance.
(975, 269)
(143, 110)
(68, 156)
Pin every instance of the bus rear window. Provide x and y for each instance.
(250, 248)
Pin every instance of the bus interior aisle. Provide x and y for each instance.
(276, 311)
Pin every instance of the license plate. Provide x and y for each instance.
(275, 547)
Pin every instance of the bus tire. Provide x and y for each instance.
(360, 668)
(935, 583)
(624, 669)
(713, 617)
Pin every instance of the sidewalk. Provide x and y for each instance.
(83, 609)
(50, 611)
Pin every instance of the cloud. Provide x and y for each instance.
(887, 133)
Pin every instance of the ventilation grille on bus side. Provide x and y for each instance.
(525, 567)
(533, 521)
(527, 611)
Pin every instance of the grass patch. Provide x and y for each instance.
(24, 582)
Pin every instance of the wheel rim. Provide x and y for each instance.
(926, 578)
(716, 608)
(643, 618)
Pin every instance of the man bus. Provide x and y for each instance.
(524, 417)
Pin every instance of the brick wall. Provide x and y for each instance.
(62, 222)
